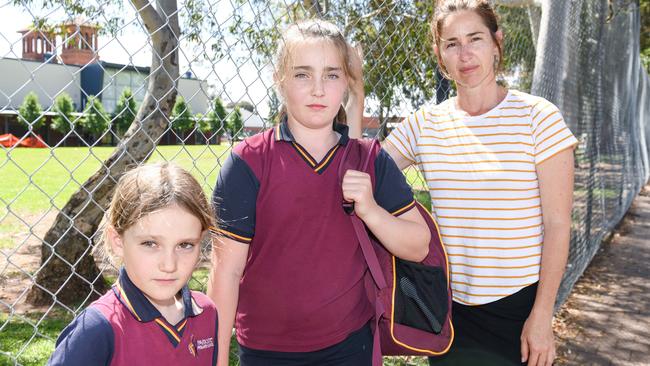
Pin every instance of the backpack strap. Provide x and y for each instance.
(357, 155)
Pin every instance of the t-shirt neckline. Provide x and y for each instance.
(454, 109)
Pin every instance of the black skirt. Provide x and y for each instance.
(489, 334)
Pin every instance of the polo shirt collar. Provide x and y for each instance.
(141, 308)
(283, 133)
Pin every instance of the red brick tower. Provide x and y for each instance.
(79, 43)
(36, 43)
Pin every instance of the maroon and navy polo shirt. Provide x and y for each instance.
(123, 328)
(303, 284)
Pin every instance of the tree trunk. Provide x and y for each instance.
(68, 273)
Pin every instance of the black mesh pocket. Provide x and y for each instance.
(420, 296)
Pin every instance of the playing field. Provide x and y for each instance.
(35, 182)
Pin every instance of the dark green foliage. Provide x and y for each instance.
(216, 119)
(64, 121)
(182, 119)
(30, 112)
(274, 107)
(125, 112)
(96, 120)
(235, 124)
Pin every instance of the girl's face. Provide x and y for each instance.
(467, 49)
(160, 252)
(314, 84)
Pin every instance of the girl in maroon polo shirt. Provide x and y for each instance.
(154, 226)
(288, 272)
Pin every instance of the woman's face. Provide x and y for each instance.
(467, 49)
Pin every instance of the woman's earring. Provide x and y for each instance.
(496, 63)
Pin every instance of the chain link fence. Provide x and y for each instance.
(94, 87)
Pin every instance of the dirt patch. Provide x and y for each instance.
(606, 317)
(19, 262)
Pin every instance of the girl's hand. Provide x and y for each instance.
(357, 188)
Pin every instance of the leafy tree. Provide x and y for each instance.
(30, 112)
(519, 47)
(235, 124)
(64, 121)
(125, 111)
(95, 121)
(182, 119)
(274, 107)
(243, 104)
(216, 119)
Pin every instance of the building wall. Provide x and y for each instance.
(49, 80)
(194, 92)
(116, 80)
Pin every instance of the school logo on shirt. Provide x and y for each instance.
(204, 343)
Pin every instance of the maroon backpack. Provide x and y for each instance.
(412, 300)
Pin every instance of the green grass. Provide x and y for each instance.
(8, 226)
(415, 179)
(35, 179)
(26, 343)
(199, 279)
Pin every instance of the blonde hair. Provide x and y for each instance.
(482, 8)
(313, 29)
(152, 187)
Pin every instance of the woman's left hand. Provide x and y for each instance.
(357, 188)
(355, 104)
(537, 341)
(356, 71)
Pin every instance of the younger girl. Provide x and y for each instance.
(154, 225)
(289, 272)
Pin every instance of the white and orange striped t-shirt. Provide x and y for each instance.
(481, 173)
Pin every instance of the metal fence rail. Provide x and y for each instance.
(93, 87)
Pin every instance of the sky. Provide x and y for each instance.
(232, 78)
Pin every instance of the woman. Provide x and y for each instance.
(499, 167)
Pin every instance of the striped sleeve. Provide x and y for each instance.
(404, 137)
(550, 133)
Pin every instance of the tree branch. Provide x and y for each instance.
(149, 15)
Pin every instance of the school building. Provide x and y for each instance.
(74, 68)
